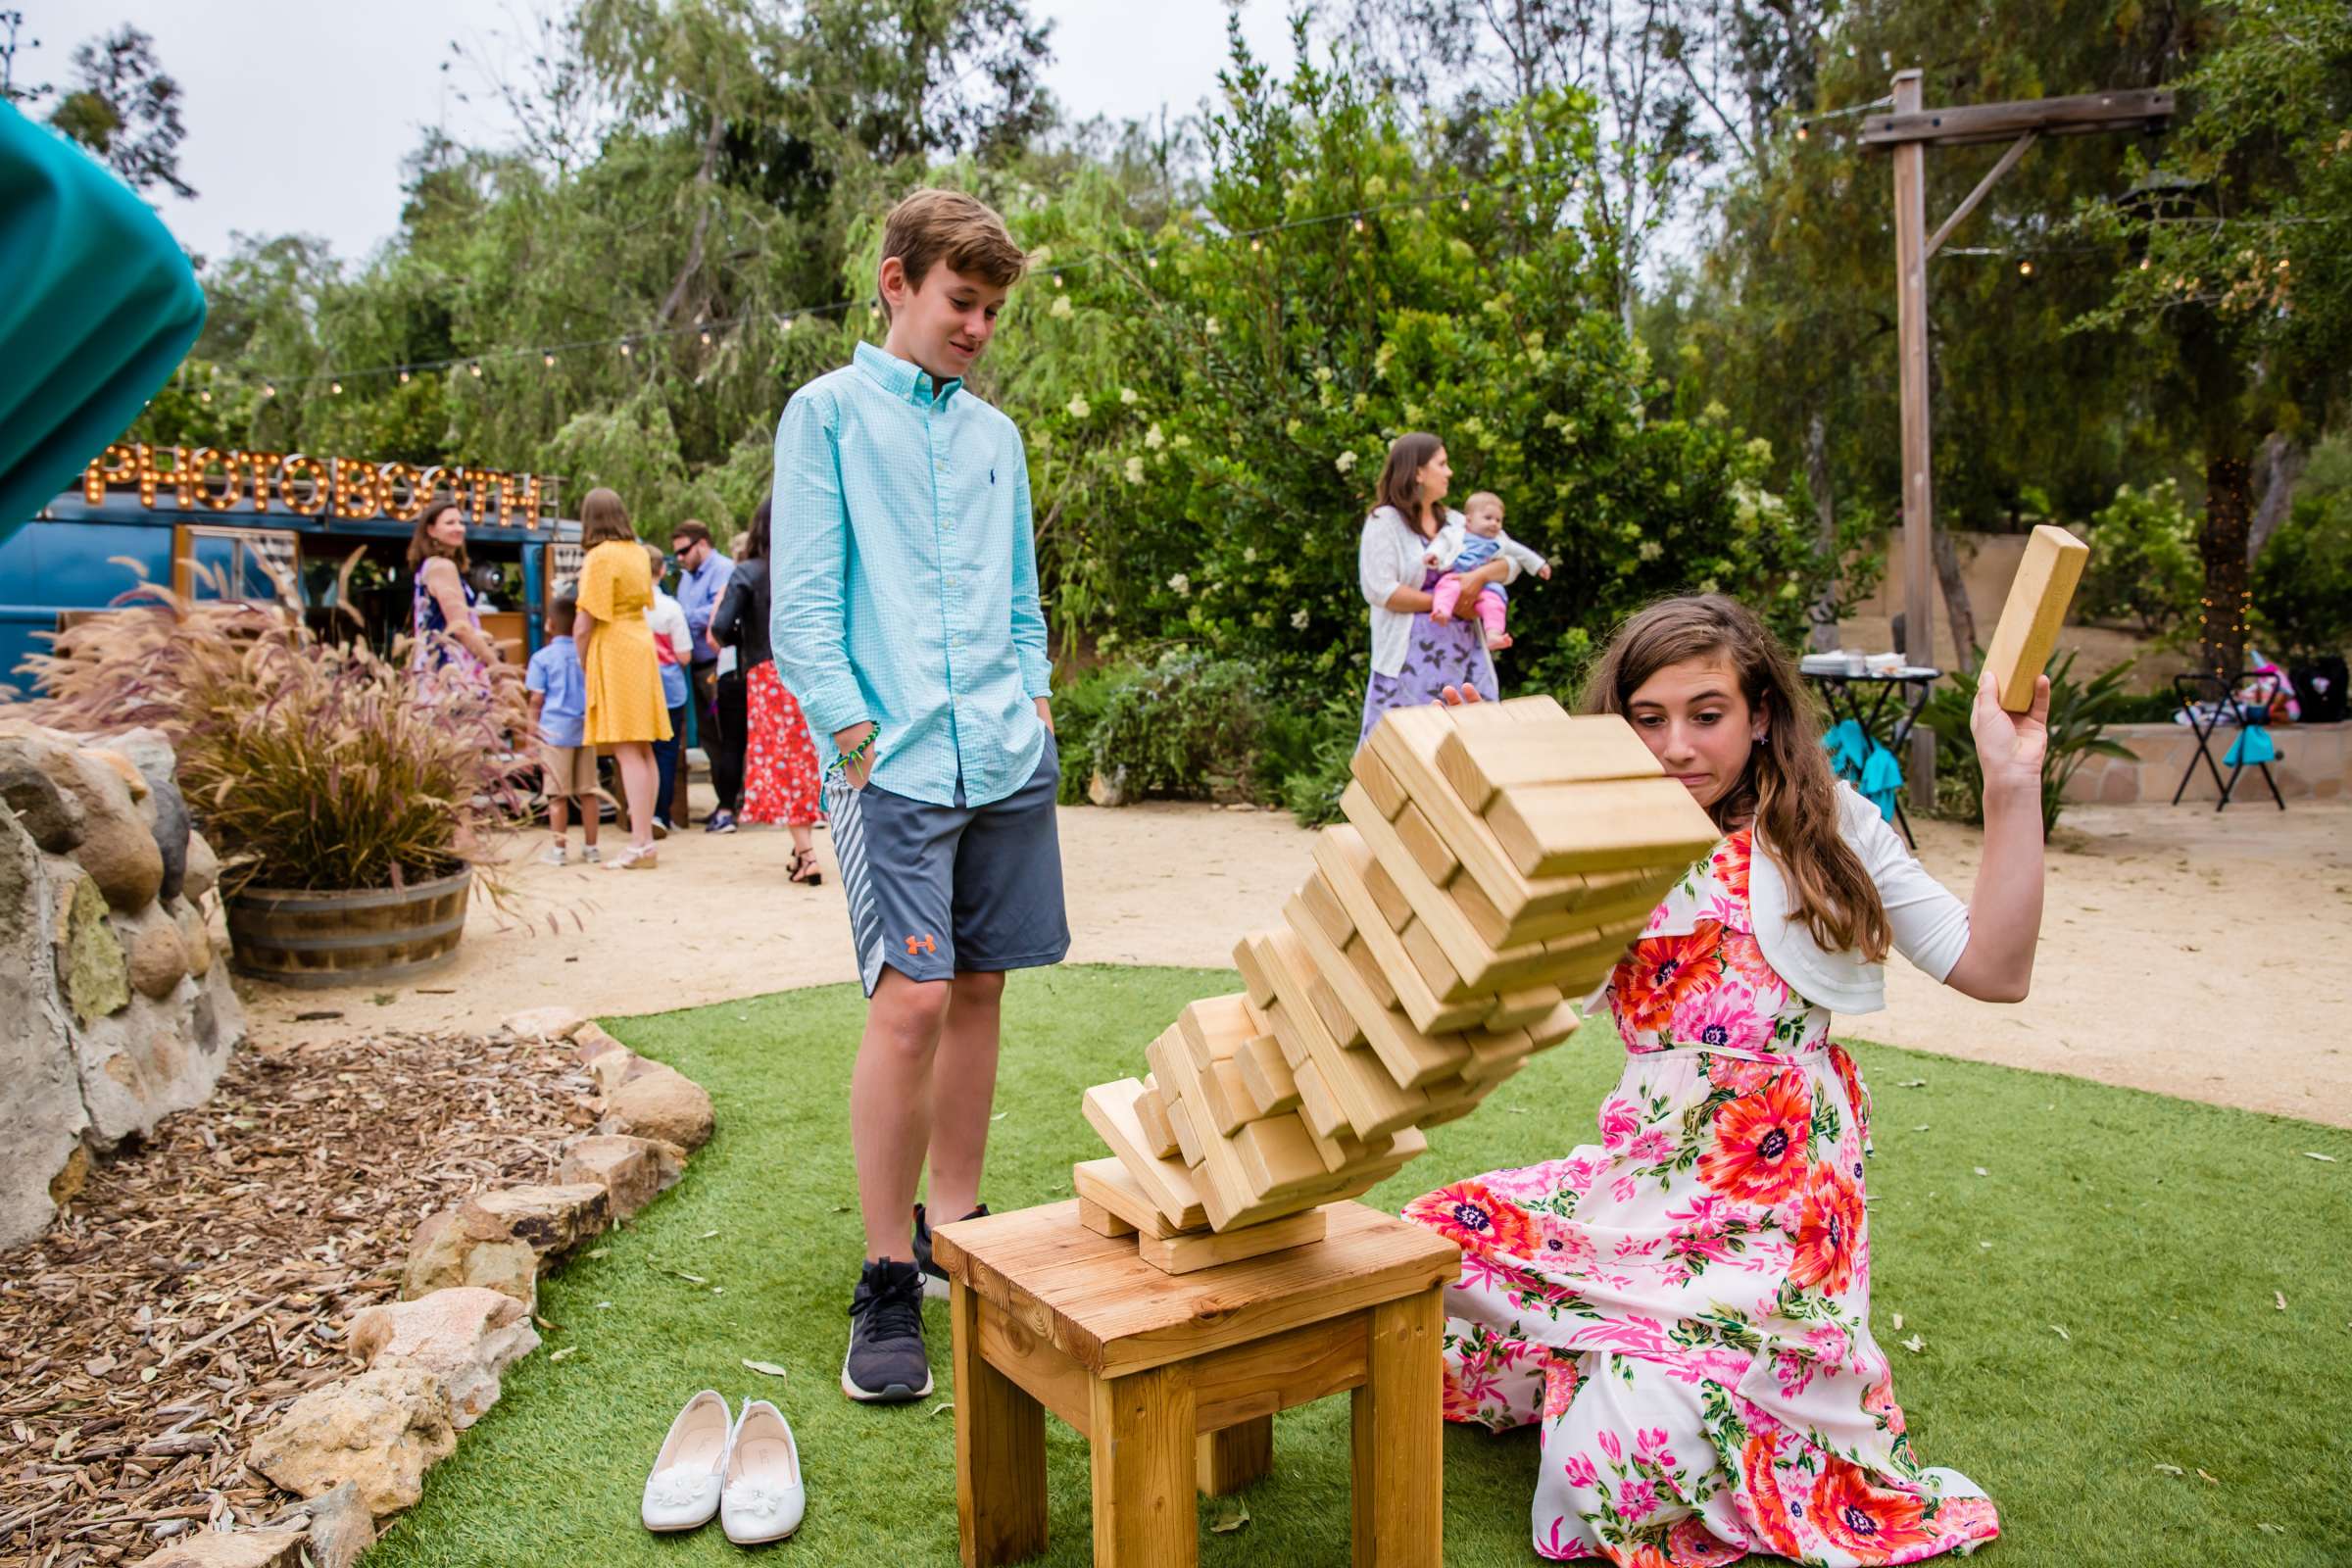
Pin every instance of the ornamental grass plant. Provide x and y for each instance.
(307, 764)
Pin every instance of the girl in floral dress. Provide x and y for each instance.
(1685, 1307)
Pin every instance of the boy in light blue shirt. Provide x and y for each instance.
(906, 621)
(559, 692)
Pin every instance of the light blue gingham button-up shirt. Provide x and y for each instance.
(906, 579)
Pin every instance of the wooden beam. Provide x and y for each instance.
(1968, 205)
(1963, 123)
(1911, 350)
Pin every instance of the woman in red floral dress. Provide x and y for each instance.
(780, 772)
(1685, 1307)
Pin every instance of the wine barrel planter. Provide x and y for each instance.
(373, 937)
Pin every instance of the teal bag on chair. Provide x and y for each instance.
(2252, 746)
(98, 305)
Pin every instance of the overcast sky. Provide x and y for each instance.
(299, 112)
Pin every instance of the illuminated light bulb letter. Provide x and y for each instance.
(261, 466)
(197, 487)
(116, 465)
(355, 493)
(317, 473)
(517, 493)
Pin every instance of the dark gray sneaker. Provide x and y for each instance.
(886, 1363)
(935, 1277)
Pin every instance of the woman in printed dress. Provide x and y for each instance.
(1685, 1307)
(1415, 657)
(780, 779)
(444, 616)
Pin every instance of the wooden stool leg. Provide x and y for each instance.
(1144, 1470)
(1398, 1430)
(999, 1452)
(1235, 1456)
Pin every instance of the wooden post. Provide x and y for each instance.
(1911, 340)
(1398, 1433)
(1235, 1456)
(999, 1452)
(1146, 1470)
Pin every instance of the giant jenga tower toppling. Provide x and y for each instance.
(1495, 861)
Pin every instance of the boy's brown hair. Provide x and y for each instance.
(561, 614)
(931, 228)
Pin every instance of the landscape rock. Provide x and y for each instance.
(545, 1023)
(51, 814)
(589, 1042)
(42, 1155)
(633, 1171)
(124, 769)
(117, 848)
(379, 1431)
(553, 1220)
(156, 954)
(335, 1525)
(465, 1336)
(663, 1104)
(204, 868)
(612, 1069)
(91, 967)
(195, 937)
(231, 1549)
(457, 1247)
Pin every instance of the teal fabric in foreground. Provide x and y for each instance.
(98, 305)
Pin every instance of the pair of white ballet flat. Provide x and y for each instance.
(745, 1471)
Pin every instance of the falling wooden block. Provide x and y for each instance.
(1227, 1172)
(1378, 784)
(1109, 1109)
(1109, 1186)
(2031, 614)
(1200, 1249)
(1367, 1096)
(1632, 825)
(1324, 905)
(1215, 1027)
(1279, 1157)
(1394, 907)
(1407, 740)
(1411, 1056)
(1341, 858)
(1567, 749)
(1316, 1106)
(1151, 1112)
(1266, 1078)
(1459, 920)
(1554, 1027)
(1518, 1008)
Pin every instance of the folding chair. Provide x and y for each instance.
(2211, 702)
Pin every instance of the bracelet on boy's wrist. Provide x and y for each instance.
(852, 757)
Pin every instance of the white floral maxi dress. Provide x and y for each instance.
(1685, 1306)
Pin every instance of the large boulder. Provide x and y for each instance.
(195, 937)
(117, 848)
(661, 1103)
(92, 970)
(465, 1336)
(153, 949)
(51, 814)
(379, 1431)
(552, 1220)
(464, 1246)
(632, 1171)
(40, 1135)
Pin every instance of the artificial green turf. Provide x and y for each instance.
(2153, 1231)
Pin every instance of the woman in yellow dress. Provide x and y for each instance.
(623, 673)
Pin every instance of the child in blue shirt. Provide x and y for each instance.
(905, 620)
(559, 690)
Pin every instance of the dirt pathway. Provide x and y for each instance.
(2182, 952)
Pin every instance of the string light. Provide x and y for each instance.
(476, 367)
(625, 348)
(1058, 281)
(705, 339)
(268, 390)
(1465, 204)
(1257, 244)
(785, 325)
(1359, 226)
(404, 377)
(548, 360)
(2025, 268)
(204, 396)
(334, 388)
(1803, 130)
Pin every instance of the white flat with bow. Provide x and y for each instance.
(683, 1491)
(763, 1498)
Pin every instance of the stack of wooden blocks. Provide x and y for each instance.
(1496, 862)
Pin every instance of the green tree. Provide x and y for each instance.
(125, 110)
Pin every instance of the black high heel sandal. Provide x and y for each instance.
(805, 860)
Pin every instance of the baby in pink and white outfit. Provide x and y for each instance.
(1478, 541)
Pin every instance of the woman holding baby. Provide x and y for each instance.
(1433, 579)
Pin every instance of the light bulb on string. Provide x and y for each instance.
(548, 360)
(204, 396)
(2025, 268)
(1359, 226)
(1058, 281)
(475, 369)
(706, 338)
(1803, 130)
(625, 350)
(404, 376)
(1257, 244)
(785, 325)
(1465, 204)
(335, 387)
(268, 390)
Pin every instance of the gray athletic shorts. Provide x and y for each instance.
(937, 889)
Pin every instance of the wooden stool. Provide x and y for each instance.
(1175, 1377)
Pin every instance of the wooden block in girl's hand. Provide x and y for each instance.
(1151, 1112)
(1266, 1077)
(2030, 616)
(1609, 825)
(1110, 1111)
(1561, 750)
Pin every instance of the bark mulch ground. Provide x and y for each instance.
(203, 1280)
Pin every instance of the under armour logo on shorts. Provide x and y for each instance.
(925, 943)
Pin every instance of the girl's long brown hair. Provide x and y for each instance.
(603, 518)
(1789, 791)
(1400, 476)
(423, 545)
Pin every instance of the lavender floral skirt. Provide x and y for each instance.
(1437, 655)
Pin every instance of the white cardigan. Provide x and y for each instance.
(1930, 923)
(1387, 559)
